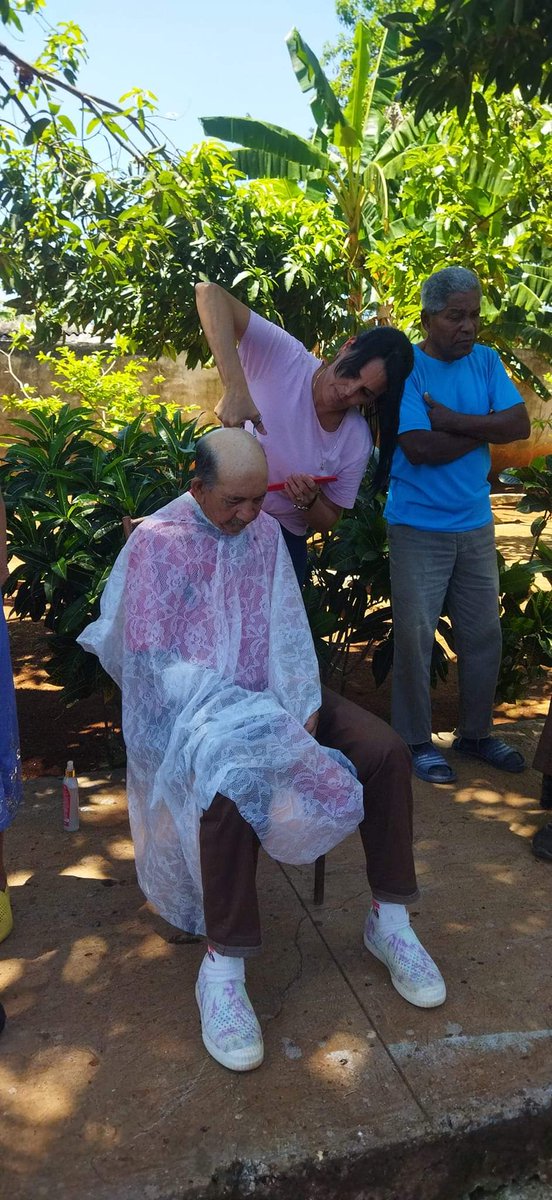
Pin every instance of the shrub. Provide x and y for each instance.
(348, 594)
(525, 607)
(67, 485)
(104, 385)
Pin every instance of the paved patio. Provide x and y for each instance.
(106, 1090)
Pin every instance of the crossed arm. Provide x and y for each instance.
(454, 434)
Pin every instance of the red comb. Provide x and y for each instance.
(279, 487)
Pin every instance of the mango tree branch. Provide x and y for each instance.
(94, 103)
(16, 100)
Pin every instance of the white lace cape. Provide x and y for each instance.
(207, 636)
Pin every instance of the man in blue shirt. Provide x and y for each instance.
(456, 401)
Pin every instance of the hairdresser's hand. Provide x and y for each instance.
(302, 490)
(236, 406)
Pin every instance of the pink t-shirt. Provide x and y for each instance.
(279, 372)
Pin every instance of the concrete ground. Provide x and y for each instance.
(106, 1091)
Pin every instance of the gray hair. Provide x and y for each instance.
(206, 466)
(437, 289)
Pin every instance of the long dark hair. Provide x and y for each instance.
(383, 416)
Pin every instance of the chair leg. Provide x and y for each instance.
(319, 874)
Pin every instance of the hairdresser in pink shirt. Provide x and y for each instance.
(317, 420)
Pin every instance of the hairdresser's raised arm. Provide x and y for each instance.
(224, 321)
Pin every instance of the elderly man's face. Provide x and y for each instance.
(451, 333)
(233, 502)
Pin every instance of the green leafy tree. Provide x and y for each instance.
(505, 44)
(338, 56)
(118, 249)
(35, 97)
(126, 259)
(418, 197)
(469, 197)
(351, 151)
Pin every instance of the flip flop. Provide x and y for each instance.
(430, 765)
(492, 750)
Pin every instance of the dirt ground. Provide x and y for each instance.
(50, 733)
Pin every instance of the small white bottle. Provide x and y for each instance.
(70, 799)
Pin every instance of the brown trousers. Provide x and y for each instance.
(229, 848)
(543, 754)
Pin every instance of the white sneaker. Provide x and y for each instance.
(413, 972)
(230, 1030)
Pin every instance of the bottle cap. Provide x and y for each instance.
(70, 770)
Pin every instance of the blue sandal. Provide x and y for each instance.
(492, 750)
(430, 765)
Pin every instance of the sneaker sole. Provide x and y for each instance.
(431, 999)
(247, 1061)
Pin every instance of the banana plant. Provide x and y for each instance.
(350, 154)
(469, 197)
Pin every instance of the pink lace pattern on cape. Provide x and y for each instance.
(207, 636)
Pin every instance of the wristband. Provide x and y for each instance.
(305, 507)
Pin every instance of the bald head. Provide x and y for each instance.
(231, 453)
(230, 479)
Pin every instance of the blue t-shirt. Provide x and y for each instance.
(449, 496)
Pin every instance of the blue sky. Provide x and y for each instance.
(200, 59)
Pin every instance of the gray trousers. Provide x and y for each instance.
(427, 568)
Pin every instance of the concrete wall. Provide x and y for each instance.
(519, 454)
(199, 387)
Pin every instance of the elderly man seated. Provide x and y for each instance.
(203, 627)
